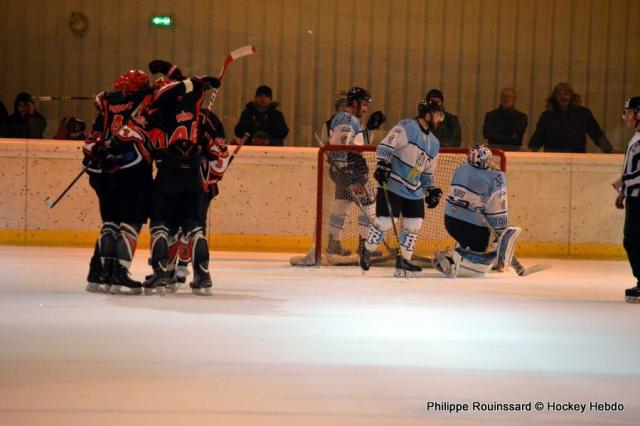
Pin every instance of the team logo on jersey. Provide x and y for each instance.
(184, 116)
(421, 160)
(120, 108)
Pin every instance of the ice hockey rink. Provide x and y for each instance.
(280, 345)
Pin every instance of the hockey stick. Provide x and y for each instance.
(352, 193)
(240, 52)
(515, 263)
(395, 230)
(62, 98)
(52, 204)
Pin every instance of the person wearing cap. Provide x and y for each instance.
(448, 132)
(262, 120)
(565, 124)
(26, 121)
(628, 187)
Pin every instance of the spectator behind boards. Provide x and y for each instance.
(448, 132)
(504, 127)
(564, 126)
(26, 121)
(262, 120)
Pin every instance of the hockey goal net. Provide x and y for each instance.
(433, 235)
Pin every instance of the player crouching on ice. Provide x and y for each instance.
(406, 162)
(628, 187)
(476, 210)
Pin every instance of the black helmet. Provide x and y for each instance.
(632, 103)
(428, 106)
(358, 94)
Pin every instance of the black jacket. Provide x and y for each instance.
(267, 124)
(448, 132)
(32, 126)
(566, 131)
(504, 128)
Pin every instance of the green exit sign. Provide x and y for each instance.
(165, 21)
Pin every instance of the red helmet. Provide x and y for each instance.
(161, 82)
(131, 81)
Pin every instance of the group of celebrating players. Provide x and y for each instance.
(139, 124)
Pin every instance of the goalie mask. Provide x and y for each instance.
(480, 156)
(131, 81)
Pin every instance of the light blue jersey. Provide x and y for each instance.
(345, 129)
(412, 153)
(473, 188)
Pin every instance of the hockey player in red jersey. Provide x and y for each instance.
(169, 128)
(214, 163)
(120, 173)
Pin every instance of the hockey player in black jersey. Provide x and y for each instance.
(169, 128)
(120, 173)
(628, 187)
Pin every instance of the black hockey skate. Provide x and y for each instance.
(201, 284)
(361, 246)
(364, 257)
(158, 282)
(403, 265)
(94, 279)
(120, 278)
(335, 247)
(632, 295)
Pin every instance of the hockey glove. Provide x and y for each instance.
(376, 120)
(205, 82)
(383, 172)
(166, 68)
(432, 197)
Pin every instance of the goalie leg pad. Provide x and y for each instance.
(337, 218)
(507, 246)
(448, 262)
(473, 263)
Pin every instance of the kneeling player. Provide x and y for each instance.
(406, 162)
(476, 206)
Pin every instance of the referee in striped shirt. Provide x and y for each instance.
(628, 187)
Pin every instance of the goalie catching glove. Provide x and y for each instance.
(432, 197)
(383, 172)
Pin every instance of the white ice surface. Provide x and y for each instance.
(280, 345)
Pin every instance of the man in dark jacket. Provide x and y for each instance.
(26, 121)
(504, 127)
(448, 132)
(4, 117)
(262, 120)
(564, 125)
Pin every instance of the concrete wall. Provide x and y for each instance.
(563, 202)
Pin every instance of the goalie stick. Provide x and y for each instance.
(520, 269)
